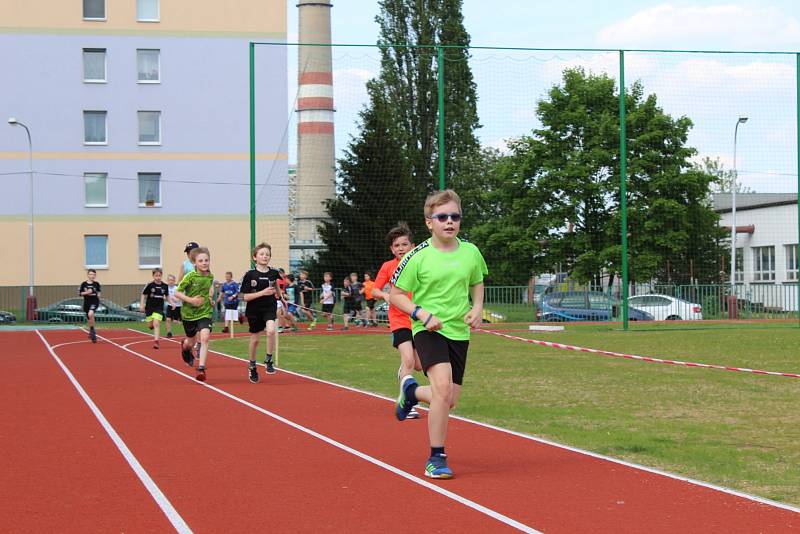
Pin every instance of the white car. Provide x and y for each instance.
(665, 308)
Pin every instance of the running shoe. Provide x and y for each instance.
(253, 373)
(155, 344)
(201, 375)
(413, 414)
(345, 328)
(93, 336)
(404, 403)
(270, 367)
(312, 325)
(329, 328)
(187, 356)
(225, 330)
(436, 467)
(169, 334)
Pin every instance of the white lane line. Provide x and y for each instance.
(543, 441)
(174, 517)
(330, 441)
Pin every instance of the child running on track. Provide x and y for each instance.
(305, 288)
(328, 298)
(367, 291)
(174, 305)
(259, 289)
(156, 293)
(90, 291)
(443, 274)
(196, 290)
(400, 242)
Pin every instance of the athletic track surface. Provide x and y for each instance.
(119, 437)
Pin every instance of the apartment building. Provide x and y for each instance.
(138, 112)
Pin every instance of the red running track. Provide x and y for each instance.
(226, 466)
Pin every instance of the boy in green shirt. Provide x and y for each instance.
(196, 290)
(443, 274)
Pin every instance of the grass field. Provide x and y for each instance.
(733, 429)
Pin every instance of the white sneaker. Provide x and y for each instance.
(413, 414)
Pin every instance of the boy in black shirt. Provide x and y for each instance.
(306, 288)
(261, 293)
(90, 291)
(156, 293)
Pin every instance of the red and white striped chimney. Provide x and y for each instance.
(315, 145)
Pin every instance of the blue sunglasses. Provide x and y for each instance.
(442, 217)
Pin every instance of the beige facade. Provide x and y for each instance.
(60, 252)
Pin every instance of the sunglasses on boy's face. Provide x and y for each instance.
(442, 217)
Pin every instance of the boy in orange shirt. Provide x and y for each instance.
(400, 241)
(367, 291)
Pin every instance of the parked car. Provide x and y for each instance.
(584, 306)
(7, 317)
(382, 312)
(666, 308)
(71, 311)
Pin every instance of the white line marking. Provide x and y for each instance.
(330, 441)
(667, 474)
(174, 517)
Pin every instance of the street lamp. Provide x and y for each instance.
(31, 302)
(741, 120)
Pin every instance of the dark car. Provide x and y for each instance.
(584, 306)
(71, 311)
(7, 317)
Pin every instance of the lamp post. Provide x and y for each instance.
(31, 302)
(732, 311)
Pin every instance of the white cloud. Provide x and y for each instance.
(722, 26)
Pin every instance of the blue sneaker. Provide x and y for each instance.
(404, 403)
(437, 467)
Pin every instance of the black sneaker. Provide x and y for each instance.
(253, 374)
(270, 367)
(93, 336)
(201, 375)
(169, 334)
(187, 356)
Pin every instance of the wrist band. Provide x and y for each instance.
(414, 313)
(428, 319)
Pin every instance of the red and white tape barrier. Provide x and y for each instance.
(636, 357)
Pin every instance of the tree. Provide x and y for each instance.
(724, 179)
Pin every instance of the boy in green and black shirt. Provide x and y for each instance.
(196, 290)
(443, 274)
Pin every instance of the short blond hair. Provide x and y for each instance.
(440, 198)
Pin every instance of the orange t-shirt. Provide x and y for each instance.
(397, 319)
(368, 290)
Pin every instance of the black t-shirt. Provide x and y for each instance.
(156, 297)
(255, 281)
(304, 287)
(93, 297)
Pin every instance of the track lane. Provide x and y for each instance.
(227, 467)
(59, 469)
(542, 485)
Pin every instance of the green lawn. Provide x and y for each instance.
(738, 430)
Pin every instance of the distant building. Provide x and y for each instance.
(138, 111)
(766, 245)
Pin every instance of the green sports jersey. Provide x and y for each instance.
(440, 283)
(195, 284)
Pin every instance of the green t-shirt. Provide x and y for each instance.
(440, 283)
(195, 284)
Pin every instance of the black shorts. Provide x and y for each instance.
(400, 336)
(193, 327)
(327, 308)
(371, 304)
(174, 313)
(90, 306)
(434, 348)
(257, 319)
(347, 308)
(355, 306)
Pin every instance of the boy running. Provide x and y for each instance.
(306, 288)
(347, 303)
(174, 304)
(356, 296)
(90, 291)
(156, 293)
(367, 292)
(328, 298)
(443, 273)
(260, 291)
(400, 241)
(196, 290)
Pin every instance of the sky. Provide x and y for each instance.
(712, 89)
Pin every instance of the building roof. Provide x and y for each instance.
(750, 201)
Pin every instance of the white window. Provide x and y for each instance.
(96, 251)
(94, 65)
(150, 189)
(148, 65)
(147, 10)
(740, 265)
(791, 262)
(94, 9)
(96, 189)
(149, 127)
(149, 251)
(763, 264)
(94, 127)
